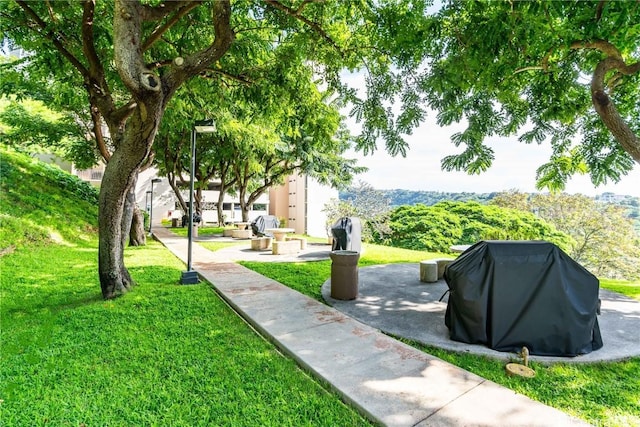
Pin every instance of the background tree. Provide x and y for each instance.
(514, 199)
(296, 129)
(130, 57)
(557, 70)
(29, 126)
(366, 203)
(604, 238)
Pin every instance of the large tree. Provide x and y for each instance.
(131, 56)
(263, 134)
(564, 71)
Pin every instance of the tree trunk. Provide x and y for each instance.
(114, 220)
(137, 235)
(114, 277)
(197, 202)
(176, 191)
(220, 206)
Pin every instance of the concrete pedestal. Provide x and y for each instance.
(344, 274)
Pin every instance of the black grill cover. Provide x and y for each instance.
(510, 294)
(263, 222)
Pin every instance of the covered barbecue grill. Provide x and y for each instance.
(510, 294)
(262, 223)
(346, 234)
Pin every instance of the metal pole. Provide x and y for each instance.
(147, 206)
(193, 167)
(151, 209)
(190, 277)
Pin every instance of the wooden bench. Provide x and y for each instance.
(432, 270)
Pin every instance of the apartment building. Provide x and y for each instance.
(300, 202)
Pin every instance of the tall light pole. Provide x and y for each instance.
(147, 205)
(190, 276)
(153, 181)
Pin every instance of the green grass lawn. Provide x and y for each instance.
(630, 289)
(164, 354)
(606, 394)
(202, 231)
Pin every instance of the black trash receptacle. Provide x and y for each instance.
(344, 274)
(346, 234)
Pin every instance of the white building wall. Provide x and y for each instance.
(317, 197)
(163, 196)
(231, 207)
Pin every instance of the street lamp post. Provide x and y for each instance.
(153, 181)
(147, 205)
(190, 276)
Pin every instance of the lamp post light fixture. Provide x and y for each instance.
(153, 181)
(190, 276)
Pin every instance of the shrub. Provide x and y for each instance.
(437, 227)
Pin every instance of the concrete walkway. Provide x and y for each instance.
(389, 382)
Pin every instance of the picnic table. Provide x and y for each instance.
(459, 248)
(279, 234)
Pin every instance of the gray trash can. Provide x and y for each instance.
(344, 274)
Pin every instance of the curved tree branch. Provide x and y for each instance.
(297, 15)
(88, 41)
(95, 82)
(53, 37)
(602, 45)
(154, 13)
(196, 63)
(602, 103)
(608, 111)
(160, 30)
(99, 136)
(127, 31)
(121, 114)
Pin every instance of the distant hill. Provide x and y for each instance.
(400, 197)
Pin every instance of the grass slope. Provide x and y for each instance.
(40, 203)
(163, 355)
